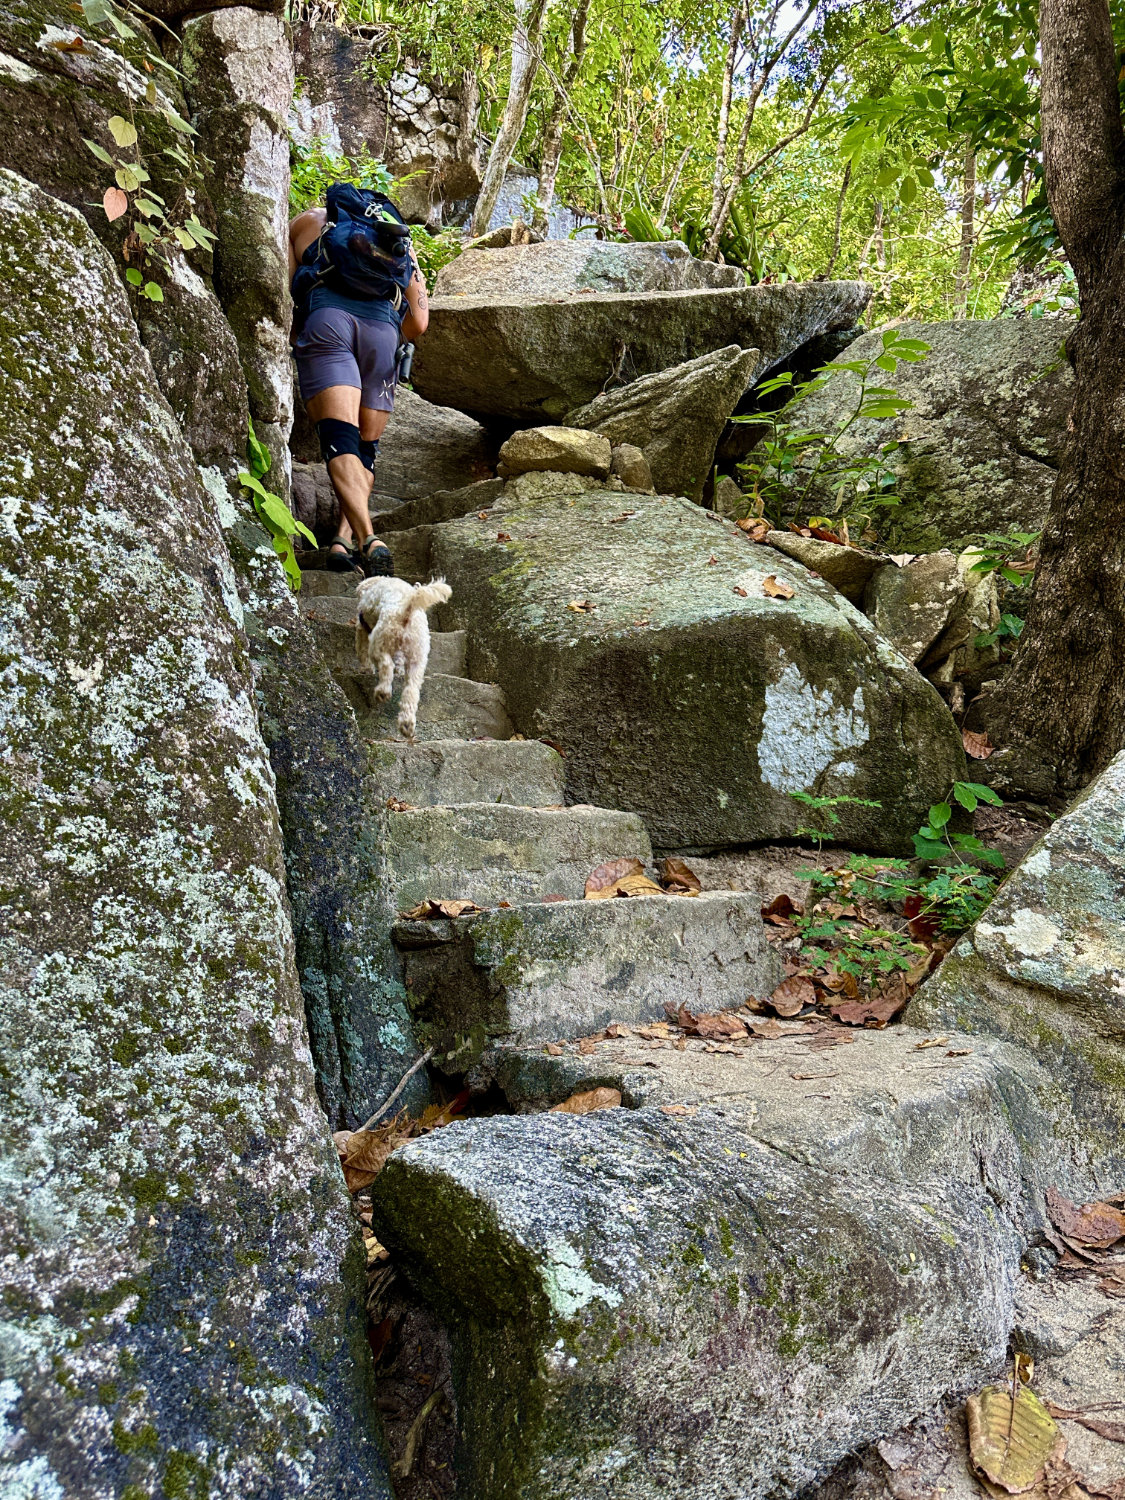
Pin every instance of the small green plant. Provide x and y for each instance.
(314, 166)
(935, 840)
(866, 953)
(827, 818)
(1009, 628)
(272, 510)
(794, 466)
(153, 222)
(1009, 553)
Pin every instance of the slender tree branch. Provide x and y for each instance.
(835, 256)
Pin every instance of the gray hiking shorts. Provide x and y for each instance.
(335, 348)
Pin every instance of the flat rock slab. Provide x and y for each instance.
(333, 624)
(1044, 965)
(523, 773)
(540, 973)
(532, 359)
(848, 569)
(488, 852)
(680, 689)
(725, 1299)
(449, 708)
(561, 268)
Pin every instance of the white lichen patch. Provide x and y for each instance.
(1028, 932)
(569, 1286)
(805, 729)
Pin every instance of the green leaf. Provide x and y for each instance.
(177, 122)
(886, 176)
(147, 207)
(924, 176)
(122, 131)
(982, 793)
(887, 362)
(145, 233)
(99, 151)
(186, 240)
(940, 814)
(908, 191)
(1014, 578)
(153, 292)
(150, 92)
(127, 179)
(925, 848)
(134, 277)
(965, 795)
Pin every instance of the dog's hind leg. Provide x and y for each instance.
(385, 686)
(411, 691)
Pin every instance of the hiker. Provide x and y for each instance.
(360, 302)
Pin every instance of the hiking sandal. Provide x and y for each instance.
(376, 560)
(341, 562)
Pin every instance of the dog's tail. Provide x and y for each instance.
(423, 596)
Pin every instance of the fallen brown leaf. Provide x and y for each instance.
(617, 1030)
(740, 591)
(792, 995)
(588, 1101)
(76, 44)
(363, 1153)
(655, 1030)
(396, 804)
(676, 876)
(755, 529)
(723, 1047)
(721, 1024)
(768, 1030)
(1105, 1427)
(552, 1049)
(712, 560)
(482, 515)
(781, 908)
(678, 1109)
(502, 536)
(601, 882)
(978, 746)
(775, 588)
(1011, 1441)
(427, 909)
(1094, 1226)
(582, 606)
(587, 1047)
(874, 1012)
(636, 885)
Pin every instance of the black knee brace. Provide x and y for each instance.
(338, 437)
(368, 453)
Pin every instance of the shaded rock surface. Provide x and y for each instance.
(983, 440)
(50, 100)
(677, 688)
(532, 358)
(561, 268)
(675, 416)
(1044, 965)
(728, 1298)
(848, 569)
(181, 1296)
(933, 608)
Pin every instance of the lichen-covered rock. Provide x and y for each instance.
(181, 1297)
(1045, 965)
(638, 634)
(631, 467)
(982, 442)
(556, 450)
(532, 358)
(560, 268)
(238, 66)
(50, 100)
(725, 1290)
(676, 416)
(933, 608)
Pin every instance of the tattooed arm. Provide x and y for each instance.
(418, 315)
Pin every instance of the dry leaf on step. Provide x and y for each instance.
(678, 877)
(363, 1153)
(582, 606)
(1010, 1444)
(979, 746)
(502, 536)
(602, 882)
(780, 909)
(721, 1024)
(1095, 1226)
(775, 588)
(427, 909)
(755, 529)
(793, 995)
(1105, 1427)
(586, 1102)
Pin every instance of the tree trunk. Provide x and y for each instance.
(723, 129)
(525, 65)
(968, 209)
(1059, 716)
(835, 256)
(553, 135)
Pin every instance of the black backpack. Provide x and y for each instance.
(363, 250)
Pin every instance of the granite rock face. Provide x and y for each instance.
(181, 1299)
(730, 1286)
(1044, 966)
(50, 100)
(675, 417)
(238, 66)
(983, 440)
(561, 268)
(531, 358)
(640, 638)
(556, 450)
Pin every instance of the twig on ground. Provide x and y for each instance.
(403, 1081)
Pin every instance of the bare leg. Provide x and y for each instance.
(351, 481)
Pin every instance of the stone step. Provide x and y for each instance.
(333, 624)
(846, 1225)
(409, 549)
(540, 973)
(524, 773)
(490, 852)
(449, 708)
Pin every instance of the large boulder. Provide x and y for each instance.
(559, 268)
(556, 450)
(1043, 966)
(182, 1299)
(982, 442)
(52, 99)
(238, 66)
(675, 417)
(533, 357)
(641, 636)
(763, 1263)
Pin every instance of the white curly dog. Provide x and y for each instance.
(392, 635)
